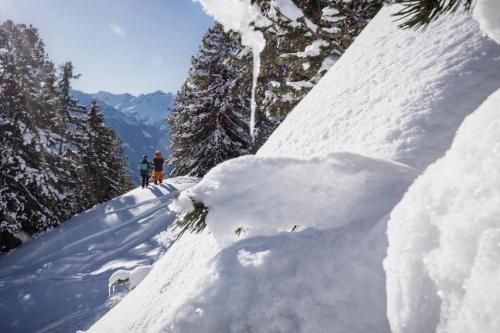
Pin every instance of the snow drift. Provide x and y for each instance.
(394, 95)
(443, 263)
(273, 283)
(268, 195)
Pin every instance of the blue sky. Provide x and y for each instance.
(134, 46)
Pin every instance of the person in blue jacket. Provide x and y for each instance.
(144, 168)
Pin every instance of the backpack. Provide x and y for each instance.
(144, 167)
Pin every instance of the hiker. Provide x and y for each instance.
(144, 168)
(158, 162)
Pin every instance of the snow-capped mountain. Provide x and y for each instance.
(138, 137)
(112, 99)
(151, 109)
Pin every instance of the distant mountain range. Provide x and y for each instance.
(139, 121)
(149, 108)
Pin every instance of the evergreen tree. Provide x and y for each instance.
(298, 53)
(104, 175)
(209, 122)
(29, 192)
(419, 13)
(45, 138)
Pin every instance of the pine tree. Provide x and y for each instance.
(209, 123)
(45, 136)
(70, 114)
(103, 175)
(29, 193)
(419, 13)
(297, 55)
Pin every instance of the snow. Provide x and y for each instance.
(177, 275)
(131, 278)
(330, 11)
(266, 195)
(395, 94)
(327, 63)
(487, 12)
(273, 284)
(312, 50)
(443, 262)
(151, 108)
(298, 85)
(243, 17)
(334, 19)
(313, 27)
(332, 172)
(333, 30)
(67, 269)
(290, 10)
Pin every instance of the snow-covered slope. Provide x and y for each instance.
(151, 109)
(443, 264)
(58, 282)
(394, 95)
(272, 281)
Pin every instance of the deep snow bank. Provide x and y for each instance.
(267, 195)
(395, 94)
(443, 264)
(292, 282)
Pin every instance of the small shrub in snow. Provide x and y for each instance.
(419, 13)
(194, 220)
(131, 278)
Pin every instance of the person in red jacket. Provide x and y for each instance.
(158, 163)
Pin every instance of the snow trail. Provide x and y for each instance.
(67, 269)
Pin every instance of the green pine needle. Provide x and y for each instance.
(418, 14)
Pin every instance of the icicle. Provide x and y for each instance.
(253, 103)
(242, 16)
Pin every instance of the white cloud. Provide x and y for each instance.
(157, 60)
(117, 30)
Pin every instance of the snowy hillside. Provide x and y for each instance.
(58, 282)
(151, 109)
(138, 137)
(443, 263)
(403, 101)
(395, 95)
